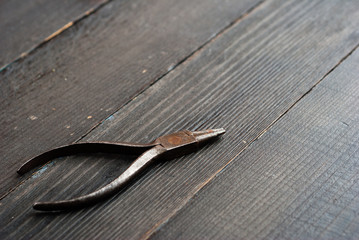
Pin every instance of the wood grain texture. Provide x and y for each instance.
(244, 80)
(299, 181)
(58, 93)
(26, 24)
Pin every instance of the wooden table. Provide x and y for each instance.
(282, 77)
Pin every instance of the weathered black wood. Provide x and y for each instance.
(59, 92)
(243, 81)
(26, 24)
(299, 181)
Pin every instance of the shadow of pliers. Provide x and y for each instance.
(167, 147)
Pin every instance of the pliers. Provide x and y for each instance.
(167, 146)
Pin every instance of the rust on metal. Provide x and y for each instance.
(168, 146)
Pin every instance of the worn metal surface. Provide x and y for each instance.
(169, 146)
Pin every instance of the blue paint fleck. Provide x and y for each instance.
(170, 68)
(41, 170)
(110, 118)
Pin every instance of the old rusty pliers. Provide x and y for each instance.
(168, 146)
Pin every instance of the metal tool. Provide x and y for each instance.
(168, 146)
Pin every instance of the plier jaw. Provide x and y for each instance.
(184, 142)
(185, 138)
(168, 146)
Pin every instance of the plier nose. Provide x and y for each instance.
(167, 146)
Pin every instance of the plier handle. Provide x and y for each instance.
(167, 146)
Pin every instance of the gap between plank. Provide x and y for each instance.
(185, 59)
(55, 34)
(163, 222)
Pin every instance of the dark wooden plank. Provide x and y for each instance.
(26, 24)
(299, 181)
(243, 81)
(63, 89)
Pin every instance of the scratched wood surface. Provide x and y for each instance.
(58, 93)
(299, 181)
(26, 24)
(244, 80)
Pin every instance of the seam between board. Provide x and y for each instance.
(164, 221)
(55, 34)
